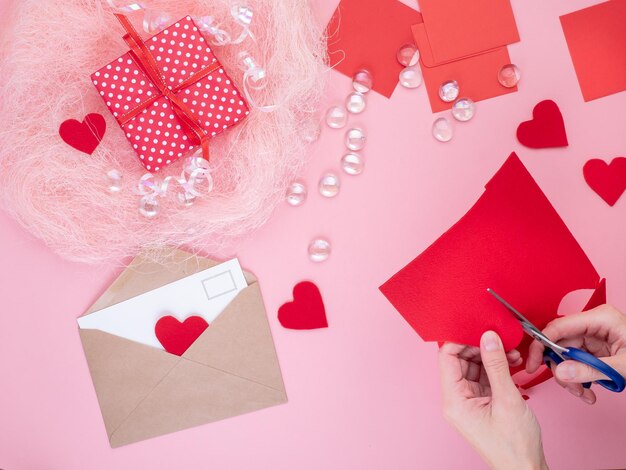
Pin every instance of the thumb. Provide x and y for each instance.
(577, 372)
(496, 365)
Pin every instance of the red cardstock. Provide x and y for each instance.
(84, 136)
(511, 240)
(596, 38)
(306, 312)
(176, 337)
(367, 34)
(608, 180)
(458, 28)
(471, 73)
(546, 129)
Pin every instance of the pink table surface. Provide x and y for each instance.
(364, 393)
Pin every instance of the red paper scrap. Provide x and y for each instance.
(607, 180)
(511, 240)
(596, 38)
(367, 34)
(306, 312)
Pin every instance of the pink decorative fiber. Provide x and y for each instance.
(60, 194)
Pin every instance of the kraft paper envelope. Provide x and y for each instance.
(146, 392)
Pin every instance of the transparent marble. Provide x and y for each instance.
(442, 130)
(336, 117)
(319, 250)
(149, 207)
(362, 81)
(509, 75)
(329, 185)
(463, 109)
(410, 77)
(114, 180)
(355, 139)
(408, 55)
(355, 103)
(352, 164)
(449, 91)
(296, 194)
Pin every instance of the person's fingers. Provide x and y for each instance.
(450, 370)
(596, 322)
(535, 357)
(513, 357)
(588, 396)
(497, 366)
(577, 372)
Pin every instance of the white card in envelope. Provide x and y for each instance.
(205, 294)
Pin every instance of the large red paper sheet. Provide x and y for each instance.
(460, 28)
(367, 34)
(596, 38)
(511, 240)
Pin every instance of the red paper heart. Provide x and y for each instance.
(176, 337)
(546, 128)
(608, 180)
(306, 312)
(84, 136)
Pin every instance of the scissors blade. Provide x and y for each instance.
(523, 320)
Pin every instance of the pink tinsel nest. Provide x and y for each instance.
(60, 194)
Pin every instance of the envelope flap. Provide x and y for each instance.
(151, 271)
(124, 373)
(240, 342)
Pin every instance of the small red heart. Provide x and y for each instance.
(176, 337)
(84, 136)
(306, 312)
(546, 128)
(608, 180)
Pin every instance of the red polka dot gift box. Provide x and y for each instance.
(169, 93)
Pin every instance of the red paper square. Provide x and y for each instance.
(460, 28)
(156, 134)
(596, 37)
(513, 241)
(367, 34)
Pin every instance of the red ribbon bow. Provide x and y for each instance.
(144, 58)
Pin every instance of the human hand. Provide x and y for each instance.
(600, 331)
(483, 404)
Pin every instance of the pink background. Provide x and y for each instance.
(364, 393)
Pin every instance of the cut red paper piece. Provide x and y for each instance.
(607, 180)
(469, 72)
(86, 135)
(306, 312)
(596, 38)
(176, 337)
(511, 240)
(458, 28)
(597, 298)
(367, 34)
(546, 128)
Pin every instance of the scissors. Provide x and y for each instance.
(557, 354)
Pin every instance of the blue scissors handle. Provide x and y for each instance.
(615, 381)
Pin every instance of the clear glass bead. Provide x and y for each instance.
(410, 77)
(352, 164)
(509, 75)
(355, 139)
(114, 180)
(362, 81)
(329, 185)
(296, 194)
(449, 91)
(149, 207)
(319, 250)
(463, 109)
(355, 103)
(408, 55)
(442, 129)
(336, 117)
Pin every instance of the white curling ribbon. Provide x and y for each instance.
(219, 37)
(254, 78)
(243, 17)
(196, 172)
(153, 20)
